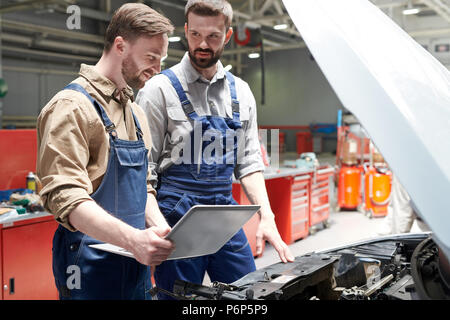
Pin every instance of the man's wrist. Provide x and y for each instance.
(266, 213)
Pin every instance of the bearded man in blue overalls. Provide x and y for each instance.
(198, 108)
(93, 142)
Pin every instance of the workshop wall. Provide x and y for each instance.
(33, 86)
(296, 92)
(32, 83)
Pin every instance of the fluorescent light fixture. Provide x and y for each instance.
(228, 67)
(174, 39)
(410, 11)
(254, 55)
(280, 26)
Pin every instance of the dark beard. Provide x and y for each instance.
(205, 63)
(130, 78)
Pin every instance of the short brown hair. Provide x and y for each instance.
(133, 20)
(210, 8)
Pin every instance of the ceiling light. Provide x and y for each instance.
(410, 11)
(228, 67)
(174, 39)
(280, 26)
(254, 55)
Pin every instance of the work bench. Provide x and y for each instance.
(26, 239)
(26, 257)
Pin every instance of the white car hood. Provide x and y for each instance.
(398, 91)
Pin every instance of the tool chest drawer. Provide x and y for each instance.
(322, 183)
(300, 206)
(288, 193)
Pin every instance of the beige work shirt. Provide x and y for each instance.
(73, 145)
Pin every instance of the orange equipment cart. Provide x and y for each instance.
(349, 187)
(377, 191)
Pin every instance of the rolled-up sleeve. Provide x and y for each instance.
(251, 159)
(63, 156)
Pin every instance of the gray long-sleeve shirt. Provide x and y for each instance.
(168, 121)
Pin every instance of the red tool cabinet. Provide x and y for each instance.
(300, 206)
(289, 199)
(251, 226)
(299, 199)
(25, 242)
(26, 259)
(322, 182)
(304, 142)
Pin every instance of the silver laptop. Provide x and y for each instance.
(203, 230)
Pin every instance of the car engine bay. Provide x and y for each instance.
(404, 267)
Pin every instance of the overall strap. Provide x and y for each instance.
(138, 126)
(109, 125)
(235, 106)
(185, 103)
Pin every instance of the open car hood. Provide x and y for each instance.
(398, 91)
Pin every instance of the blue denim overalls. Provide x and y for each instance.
(122, 193)
(206, 181)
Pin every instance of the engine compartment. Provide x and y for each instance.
(399, 268)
